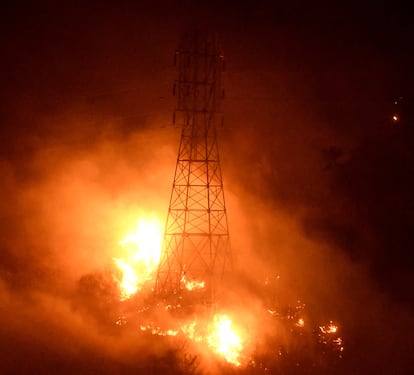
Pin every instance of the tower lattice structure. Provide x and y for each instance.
(196, 248)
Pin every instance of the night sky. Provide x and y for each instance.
(318, 177)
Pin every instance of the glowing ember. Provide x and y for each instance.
(142, 250)
(224, 340)
(300, 323)
(154, 330)
(121, 321)
(193, 284)
(331, 328)
(328, 336)
(190, 331)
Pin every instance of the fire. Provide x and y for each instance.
(224, 340)
(191, 331)
(329, 336)
(193, 284)
(300, 322)
(331, 328)
(129, 282)
(219, 336)
(155, 330)
(142, 249)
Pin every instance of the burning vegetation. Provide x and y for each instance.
(142, 250)
(141, 254)
(270, 339)
(319, 169)
(266, 326)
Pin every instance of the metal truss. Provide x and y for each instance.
(196, 250)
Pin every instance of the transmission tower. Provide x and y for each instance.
(196, 250)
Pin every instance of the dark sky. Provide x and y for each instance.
(310, 155)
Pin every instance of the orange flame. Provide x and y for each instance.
(142, 250)
(154, 330)
(331, 328)
(220, 336)
(193, 284)
(300, 322)
(224, 340)
(190, 331)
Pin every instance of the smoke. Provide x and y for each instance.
(87, 146)
(289, 219)
(66, 204)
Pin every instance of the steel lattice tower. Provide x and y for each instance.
(196, 239)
